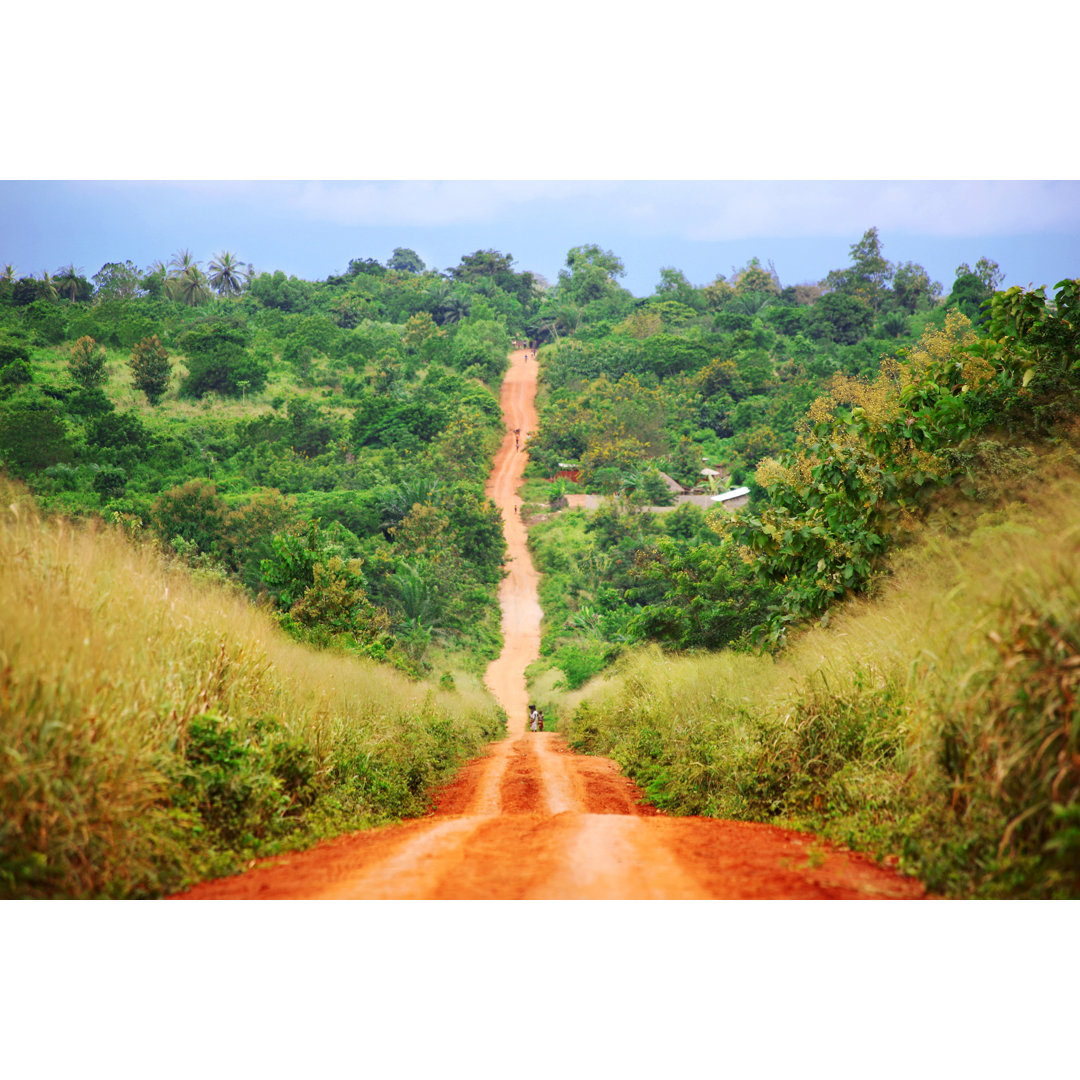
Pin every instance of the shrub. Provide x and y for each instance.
(87, 363)
(17, 373)
(150, 368)
(218, 359)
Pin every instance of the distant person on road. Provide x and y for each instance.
(534, 718)
(539, 720)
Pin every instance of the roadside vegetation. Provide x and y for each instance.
(157, 728)
(911, 690)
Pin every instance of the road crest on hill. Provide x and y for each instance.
(532, 820)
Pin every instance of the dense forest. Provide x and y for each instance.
(720, 378)
(323, 444)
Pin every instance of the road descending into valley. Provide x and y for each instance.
(533, 821)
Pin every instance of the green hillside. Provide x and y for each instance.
(902, 618)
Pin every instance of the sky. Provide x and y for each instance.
(313, 228)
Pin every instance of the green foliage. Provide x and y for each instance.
(33, 435)
(711, 597)
(110, 483)
(87, 363)
(278, 291)
(46, 322)
(150, 368)
(291, 570)
(480, 347)
(117, 281)
(15, 373)
(840, 318)
(406, 260)
(218, 359)
(581, 662)
(195, 513)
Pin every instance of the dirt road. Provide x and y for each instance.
(531, 820)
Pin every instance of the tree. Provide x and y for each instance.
(987, 271)
(755, 278)
(33, 436)
(118, 281)
(840, 317)
(150, 368)
(153, 282)
(371, 267)
(25, 291)
(190, 287)
(226, 275)
(912, 286)
(71, 284)
(969, 293)
(48, 288)
(590, 274)
(195, 513)
(482, 344)
(675, 286)
(869, 275)
(185, 281)
(277, 291)
(406, 260)
(87, 363)
(109, 482)
(218, 359)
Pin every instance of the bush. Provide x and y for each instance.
(87, 363)
(109, 483)
(33, 436)
(150, 368)
(218, 359)
(16, 373)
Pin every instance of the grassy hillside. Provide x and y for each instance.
(917, 692)
(156, 727)
(934, 720)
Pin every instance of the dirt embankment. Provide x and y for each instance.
(531, 820)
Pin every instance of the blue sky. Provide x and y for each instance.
(312, 228)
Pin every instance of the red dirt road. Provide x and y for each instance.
(531, 820)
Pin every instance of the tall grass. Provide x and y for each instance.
(155, 728)
(938, 721)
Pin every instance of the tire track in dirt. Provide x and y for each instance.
(532, 820)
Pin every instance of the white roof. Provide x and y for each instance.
(734, 493)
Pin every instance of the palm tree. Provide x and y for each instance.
(49, 291)
(8, 275)
(181, 262)
(399, 502)
(226, 277)
(190, 287)
(455, 307)
(68, 281)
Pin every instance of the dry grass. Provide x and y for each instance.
(939, 720)
(108, 654)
